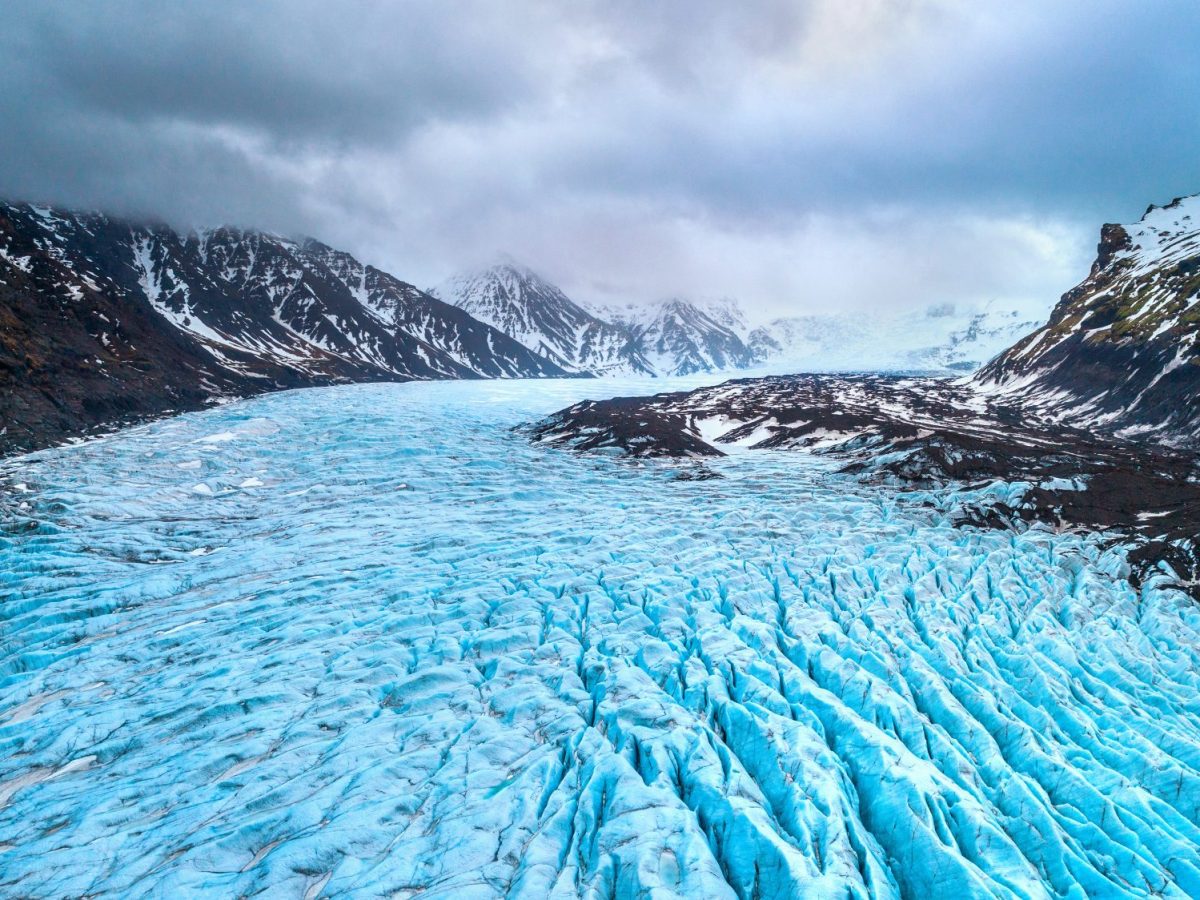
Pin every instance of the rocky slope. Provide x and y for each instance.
(103, 320)
(523, 305)
(1120, 350)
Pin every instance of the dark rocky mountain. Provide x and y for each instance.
(104, 320)
(1120, 350)
(540, 316)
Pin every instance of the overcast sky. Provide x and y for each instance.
(804, 155)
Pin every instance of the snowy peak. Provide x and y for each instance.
(726, 312)
(509, 295)
(522, 305)
(683, 339)
(1120, 349)
(536, 313)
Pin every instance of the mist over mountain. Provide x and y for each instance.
(114, 319)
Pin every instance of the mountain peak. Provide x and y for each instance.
(1121, 349)
(516, 300)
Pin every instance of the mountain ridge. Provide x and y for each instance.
(517, 301)
(1121, 350)
(108, 320)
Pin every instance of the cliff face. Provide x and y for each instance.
(1120, 350)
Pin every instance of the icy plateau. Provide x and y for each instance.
(369, 641)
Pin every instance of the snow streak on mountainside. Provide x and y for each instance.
(528, 308)
(106, 318)
(1120, 350)
(367, 641)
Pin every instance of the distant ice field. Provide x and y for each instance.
(368, 641)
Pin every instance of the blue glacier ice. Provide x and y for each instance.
(368, 641)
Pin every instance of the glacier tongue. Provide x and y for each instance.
(395, 650)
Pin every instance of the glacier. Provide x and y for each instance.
(369, 641)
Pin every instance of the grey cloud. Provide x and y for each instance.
(291, 71)
(625, 147)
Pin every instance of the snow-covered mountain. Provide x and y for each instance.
(725, 312)
(525, 306)
(104, 318)
(688, 336)
(675, 337)
(942, 337)
(1120, 350)
(682, 338)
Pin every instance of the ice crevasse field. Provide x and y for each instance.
(368, 641)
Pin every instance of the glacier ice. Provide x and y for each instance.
(392, 649)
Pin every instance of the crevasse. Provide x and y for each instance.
(367, 641)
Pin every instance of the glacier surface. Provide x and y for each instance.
(367, 641)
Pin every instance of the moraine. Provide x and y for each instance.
(369, 641)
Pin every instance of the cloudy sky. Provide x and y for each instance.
(802, 155)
